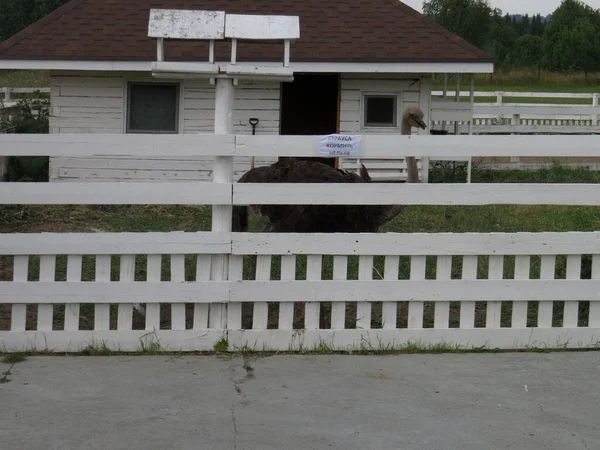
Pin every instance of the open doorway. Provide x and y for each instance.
(309, 106)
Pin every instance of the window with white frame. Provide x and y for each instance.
(152, 107)
(380, 110)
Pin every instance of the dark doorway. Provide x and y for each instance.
(309, 106)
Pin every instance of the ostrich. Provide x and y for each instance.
(323, 218)
(412, 117)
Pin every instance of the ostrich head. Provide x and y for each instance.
(414, 117)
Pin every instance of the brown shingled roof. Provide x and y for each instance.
(364, 31)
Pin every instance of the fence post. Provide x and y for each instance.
(499, 98)
(515, 121)
(7, 94)
(595, 105)
(222, 173)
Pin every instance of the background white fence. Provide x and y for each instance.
(505, 115)
(338, 291)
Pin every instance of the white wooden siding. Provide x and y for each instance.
(96, 104)
(353, 88)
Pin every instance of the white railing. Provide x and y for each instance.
(338, 291)
(7, 92)
(506, 116)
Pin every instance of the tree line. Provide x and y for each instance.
(18, 14)
(568, 42)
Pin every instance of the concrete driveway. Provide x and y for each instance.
(475, 401)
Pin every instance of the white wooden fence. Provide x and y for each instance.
(338, 291)
(506, 116)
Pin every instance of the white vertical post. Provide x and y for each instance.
(472, 100)
(515, 121)
(457, 99)
(222, 173)
(286, 53)
(7, 92)
(233, 51)
(595, 105)
(211, 51)
(160, 49)
(498, 98)
(445, 95)
(425, 105)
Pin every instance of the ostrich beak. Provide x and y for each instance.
(420, 124)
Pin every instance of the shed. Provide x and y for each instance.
(358, 64)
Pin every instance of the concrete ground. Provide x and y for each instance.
(477, 401)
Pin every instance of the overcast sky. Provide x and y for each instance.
(543, 7)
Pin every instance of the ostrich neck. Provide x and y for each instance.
(405, 128)
(412, 171)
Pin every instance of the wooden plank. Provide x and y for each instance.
(293, 291)
(494, 308)
(534, 129)
(102, 310)
(186, 24)
(153, 276)
(547, 270)
(519, 310)
(443, 244)
(260, 314)
(363, 309)
(338, 309)
(390, 309)
(178, 276)
(139, 292)
(571, 310)
(286, 309)
(417, 290)
(415, 308)
(399, 146)
(234, 310)
(517, 94)
(72, 310)
(594, 318)
(314, 267)
(373, 340)
(47, 275)
(442, 309)
(18, 317)
(116, 340)
(126, 275)
(407, 194)
(145, 193)
(262, 27)
(201, 310)
(178, 242)
(538, 109)
(467, 309)
(116, 144)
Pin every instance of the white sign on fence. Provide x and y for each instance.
(340, 145)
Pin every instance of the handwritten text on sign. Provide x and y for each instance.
(340, 145)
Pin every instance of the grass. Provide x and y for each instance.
(24, 78)
(527, 81)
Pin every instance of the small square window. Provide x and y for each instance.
(153, 108)
(380, 111)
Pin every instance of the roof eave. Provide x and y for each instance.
(470, 66)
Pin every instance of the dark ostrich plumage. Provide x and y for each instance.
(313, 218)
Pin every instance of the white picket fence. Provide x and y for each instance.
(506, 116)
(310, 291)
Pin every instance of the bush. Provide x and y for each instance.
(33, 118)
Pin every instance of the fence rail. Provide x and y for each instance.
(508, 116)
(188, 291)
